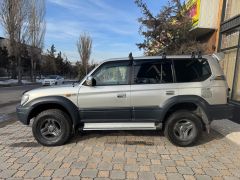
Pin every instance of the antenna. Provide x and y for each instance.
(130, 56)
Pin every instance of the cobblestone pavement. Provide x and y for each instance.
(116, 155)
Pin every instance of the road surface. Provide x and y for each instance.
(10, 97)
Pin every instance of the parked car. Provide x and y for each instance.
(52, 80)
(180, 95)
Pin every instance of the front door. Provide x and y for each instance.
(109, 99)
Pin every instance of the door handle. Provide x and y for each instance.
(170, 92)
(123, 95)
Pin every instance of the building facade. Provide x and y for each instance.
(217, 23)
(229, 43)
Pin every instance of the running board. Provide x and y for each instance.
(120, 126)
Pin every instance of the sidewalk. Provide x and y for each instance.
(228, 129)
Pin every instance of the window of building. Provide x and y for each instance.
(228, 66)
(230, 39)
(112, 74)
(153, 72)
(191, 70)
(229, 45)
(232, 9)
(236, 90)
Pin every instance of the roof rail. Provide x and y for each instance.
(219, 56)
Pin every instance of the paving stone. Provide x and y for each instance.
(131, 167)
(146, 175)
(28, 166)
(7, 173)
(203, 177)
(75, 172)
(185, 170)
(79, 165)
(117, 174)
(89, 173)
(103, 174)
(211, 172)
(53, 165)
(105, 166)
(33, 173)
(72, 178)
(174, 176)
(61, 173)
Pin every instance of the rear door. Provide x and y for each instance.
(152, 85)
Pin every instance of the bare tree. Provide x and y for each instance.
(37, 29)
(84, 45)
(13, 14)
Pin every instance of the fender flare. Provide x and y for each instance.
(199, 101)
(70, 107)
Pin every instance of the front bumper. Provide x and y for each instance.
(22, 114)
(217, 112)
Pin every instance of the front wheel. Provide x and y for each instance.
(52, 127)
(183, 128)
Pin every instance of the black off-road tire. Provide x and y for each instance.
(60, 117)
(176, 117)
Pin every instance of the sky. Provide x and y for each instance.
(112, 24)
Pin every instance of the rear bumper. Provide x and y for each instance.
(221, 111)
(22, 114)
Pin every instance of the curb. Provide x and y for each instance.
(228, 129)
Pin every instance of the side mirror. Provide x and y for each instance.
(90, 81)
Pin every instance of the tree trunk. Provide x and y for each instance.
(19, 71)
(32, 70)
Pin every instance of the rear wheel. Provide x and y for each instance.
(183, 128)
(52, 127)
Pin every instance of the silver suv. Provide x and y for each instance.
(178, 94)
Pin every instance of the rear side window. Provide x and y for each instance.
(152, 72)
(191, 70)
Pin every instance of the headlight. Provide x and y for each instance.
(24, 99)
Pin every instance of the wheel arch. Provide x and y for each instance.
(192, 103)
(54, 102)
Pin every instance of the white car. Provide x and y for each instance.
(53, 80)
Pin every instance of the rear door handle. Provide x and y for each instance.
(170, 92)
(122, 95)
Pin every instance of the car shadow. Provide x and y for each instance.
(146, 137)
(25, 144)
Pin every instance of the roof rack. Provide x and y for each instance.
(164, 56)
(130, 56)
(194, 54)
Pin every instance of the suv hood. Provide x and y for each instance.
(63, 90)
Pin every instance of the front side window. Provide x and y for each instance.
(153, 72)
(112, 74)
(191, 70)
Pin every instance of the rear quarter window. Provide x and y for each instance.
(191, 70)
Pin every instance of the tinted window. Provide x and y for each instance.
(192, 70)
(153, 72)
(112, 74)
